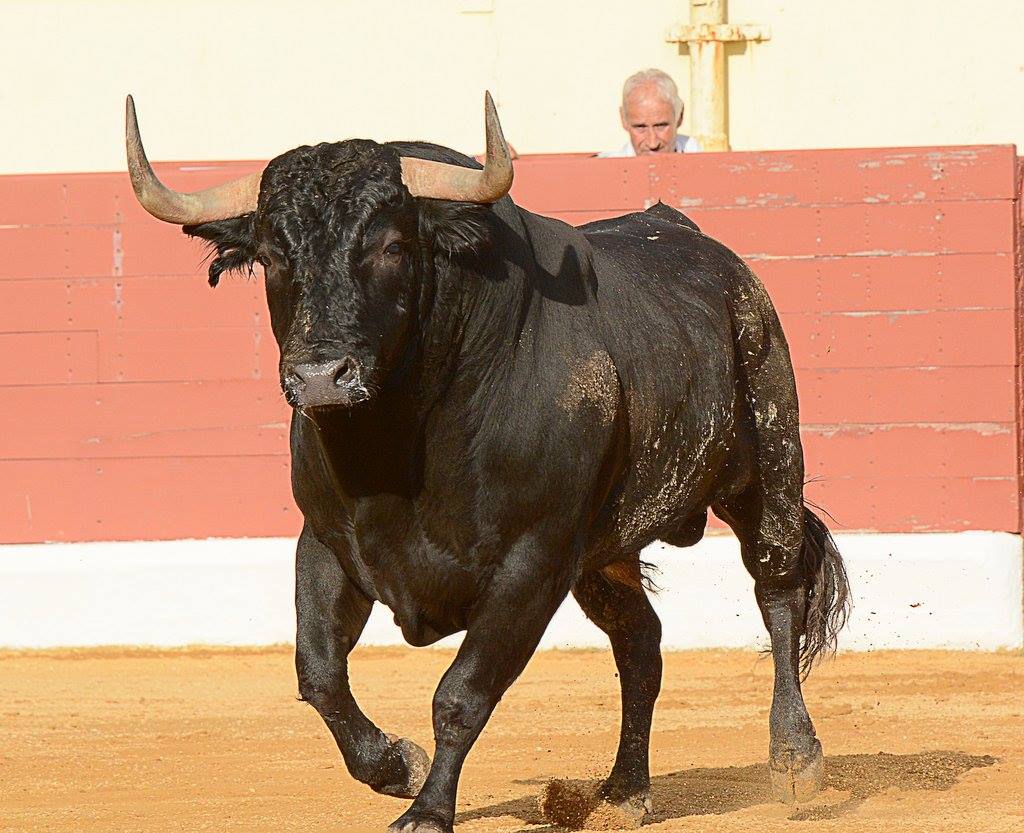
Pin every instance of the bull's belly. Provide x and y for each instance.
(424, 610)
(419, 628)
(415, 611)
(677, 517)
(429, 595)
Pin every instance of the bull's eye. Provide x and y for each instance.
(394, 248)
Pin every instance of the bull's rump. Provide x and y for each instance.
(664, 292)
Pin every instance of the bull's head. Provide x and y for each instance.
(346, 233)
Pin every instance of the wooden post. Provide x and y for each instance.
(706, 35)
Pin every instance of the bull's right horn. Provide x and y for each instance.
(232, 199)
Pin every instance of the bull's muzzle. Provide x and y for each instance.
(320, 384)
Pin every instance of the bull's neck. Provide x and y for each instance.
(492, 327)
(474, 326)
(483, 324)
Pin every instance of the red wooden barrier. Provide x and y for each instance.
(138, 403)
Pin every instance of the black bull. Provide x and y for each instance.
(493, 409)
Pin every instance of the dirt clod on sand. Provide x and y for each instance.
(578, 805)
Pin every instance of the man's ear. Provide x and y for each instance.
(622, 118)
(455, 227)
(679, 121)
(234, 242)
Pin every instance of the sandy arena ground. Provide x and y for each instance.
(215, 740)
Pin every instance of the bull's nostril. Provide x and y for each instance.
(294, 381)
(347, 372)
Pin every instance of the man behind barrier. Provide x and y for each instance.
(651, 114)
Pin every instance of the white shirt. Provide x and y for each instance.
(684, 144)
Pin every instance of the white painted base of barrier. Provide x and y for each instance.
(928, 590)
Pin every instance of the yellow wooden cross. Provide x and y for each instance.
(706, 35)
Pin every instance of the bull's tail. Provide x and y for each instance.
(828, 592)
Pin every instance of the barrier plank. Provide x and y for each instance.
(910, 449)
(767, 179)
(87, 251)
(154, 248)
(32, 200)
(932, 338)
(834, 230)
(1018, 282)
(907, 394)
(928, 228)
(146, 498)
(36, 251)
(917, 504)
(47, 358)
(159, 302)
(188, 353)
(48, 304)
(546, 186)
(550, 182)
(935, 282)
(872, 176)
(169, 419)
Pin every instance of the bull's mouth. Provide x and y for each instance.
(316, 409)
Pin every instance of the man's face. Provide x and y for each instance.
(650, 121)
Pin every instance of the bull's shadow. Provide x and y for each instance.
(711, 791)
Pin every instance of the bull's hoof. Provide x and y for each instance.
(402, 770)
(628, 814)
(413, 821)
(796, 776)
(579, 805)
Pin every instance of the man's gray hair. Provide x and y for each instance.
(662, 80)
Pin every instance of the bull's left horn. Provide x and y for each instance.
(232, 199)
(440, 181)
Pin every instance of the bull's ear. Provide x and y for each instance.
(455, 227)
(233, 241)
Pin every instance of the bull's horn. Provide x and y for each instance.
(232, 199)
(426, 178)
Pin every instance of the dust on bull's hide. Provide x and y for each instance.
(667, 474)
(594, 382)
(777, 424)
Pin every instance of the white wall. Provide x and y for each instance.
(927, 590)
(232, 79)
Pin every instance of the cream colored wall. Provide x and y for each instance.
(847, 73)
(216, 80)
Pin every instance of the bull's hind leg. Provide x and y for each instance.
(332, 613)
(615, 601)
(798, 575)
(770, 529)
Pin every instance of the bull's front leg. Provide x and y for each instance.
(332, 613)
(501, 637)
